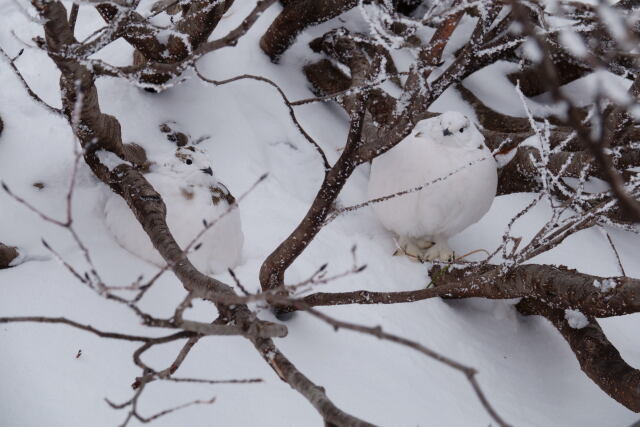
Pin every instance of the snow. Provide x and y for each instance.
(525, 367)
(573, 43)
(605, 285)
(109, 159)
(575, 319)
(532, 51)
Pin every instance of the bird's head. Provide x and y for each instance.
(450, 128)
(189, 163)
(453, 124)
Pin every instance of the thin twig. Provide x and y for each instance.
(615, 251)
(287, 103)
(26, 85)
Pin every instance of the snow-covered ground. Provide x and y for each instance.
(526, 369)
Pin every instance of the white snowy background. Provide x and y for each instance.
(525, 367)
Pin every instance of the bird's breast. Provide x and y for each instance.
(450, 188)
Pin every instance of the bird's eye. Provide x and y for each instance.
(188, 161)
(461, 130)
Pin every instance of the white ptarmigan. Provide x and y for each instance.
(192, 194)
(424, 220)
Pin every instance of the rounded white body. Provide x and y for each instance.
(190, 199)
(443, 208)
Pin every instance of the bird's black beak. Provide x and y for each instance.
(447, 132)
(208, 171)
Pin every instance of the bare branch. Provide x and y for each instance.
(89, 328)
(598, 358)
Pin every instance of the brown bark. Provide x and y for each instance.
(598, 358)
(7, 254)
(521, 175)
(295, 17)
(532, 85)
(97, 131)
(197, 24)
(325, 78)
(375, 125)
(559, 287)
(273, 268)
(615, 126)
(406, 6)
(134, 29)
(298, 15)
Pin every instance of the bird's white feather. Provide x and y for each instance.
(191, 195)
(435, 149)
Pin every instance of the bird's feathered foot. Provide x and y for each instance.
(411, 248)
(421, 250)
(439, 251)
(414, 249)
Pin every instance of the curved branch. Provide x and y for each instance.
(89, 328)
(598, 358)
(294, 18)
(99, 131)
(560, 287)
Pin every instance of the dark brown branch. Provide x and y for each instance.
(273, 268)
(133, 28)
(7, 255)
(232, 37)
(73, 16)
(156, 63)
(431, 55)
(294, 18)
(89, 328)
(559, 287)
(375, 127)
(98, 131)
(615, 252)
(616, 124)
(315, 394)
(598, 358)
(532, 85)
(491, 119)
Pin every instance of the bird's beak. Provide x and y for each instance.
(208, 171)
(447, 132)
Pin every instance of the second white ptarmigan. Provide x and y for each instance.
(192, 194)
(449, 147)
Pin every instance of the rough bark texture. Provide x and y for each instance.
(198, 21)
(99, 131)
(559, 287)
(295, 17)
(598, 358)
(375, 125)
(378, 121)
(7, 254)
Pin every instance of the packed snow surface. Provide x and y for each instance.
(525, 367)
